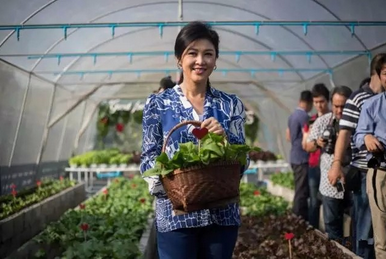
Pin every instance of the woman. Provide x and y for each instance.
(205, 233)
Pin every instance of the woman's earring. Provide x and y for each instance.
(215, 67)
(178, 66)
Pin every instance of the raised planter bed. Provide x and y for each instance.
(24, 225)
(115, 217)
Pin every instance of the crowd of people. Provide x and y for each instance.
(338, 159)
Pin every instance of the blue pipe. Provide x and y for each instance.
(167, 71)
(168, 53)
(161, 25)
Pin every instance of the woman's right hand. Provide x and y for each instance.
(213, 126)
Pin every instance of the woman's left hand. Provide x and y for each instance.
(213, 126)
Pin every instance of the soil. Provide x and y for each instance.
(264, 238)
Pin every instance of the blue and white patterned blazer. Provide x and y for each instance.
(161, 113)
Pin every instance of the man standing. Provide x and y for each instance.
(371, 135)
(321, 98)
(323, 135)
(356, 172)
(299, 157)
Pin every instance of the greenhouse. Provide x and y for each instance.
(114, 142)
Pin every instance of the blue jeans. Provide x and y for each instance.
(314, 207)
(362, 222)
(210, 242)
(333, 210)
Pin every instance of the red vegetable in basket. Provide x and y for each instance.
(200, 132)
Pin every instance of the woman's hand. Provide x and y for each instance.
(213, 126)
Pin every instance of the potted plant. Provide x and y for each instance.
(74, 162)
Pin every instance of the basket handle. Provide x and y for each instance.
(194, 123)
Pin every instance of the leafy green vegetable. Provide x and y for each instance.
(259, 202)
(212, 148)
(284, 179)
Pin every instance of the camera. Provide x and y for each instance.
(329, 137)
(376, 160)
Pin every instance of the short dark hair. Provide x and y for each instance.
(374, 63)
(166, 83)
(320, 90)
(380, 64)
(341, 90)
(306, 96)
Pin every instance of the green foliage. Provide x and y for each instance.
(10, 205)
(116, 221)
(258, 202)
(213, 148)
(251, 130)
(284, 179)
(108, 156)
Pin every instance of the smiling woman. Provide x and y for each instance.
(202, 233)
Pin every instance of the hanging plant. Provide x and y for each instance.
(251, 130)
(137, 115)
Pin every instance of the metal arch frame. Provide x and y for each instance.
(12, 32)
(141, 5)
(27, 19)
(218, 4)
(337, 17)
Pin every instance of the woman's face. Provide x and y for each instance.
(198, 61)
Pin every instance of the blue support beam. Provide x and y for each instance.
(161, 25)
(224, 71)
(238, 53)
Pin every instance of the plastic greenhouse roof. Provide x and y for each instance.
(275, 43)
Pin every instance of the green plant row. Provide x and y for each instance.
(107, 226)
(284, 179)
(258, 202)
(110, 157)
(12, 204)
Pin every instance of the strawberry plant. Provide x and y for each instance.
(211, 148)
(11, 204)
(258, 202)
(107, 226)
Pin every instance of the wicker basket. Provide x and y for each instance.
(202, 187)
